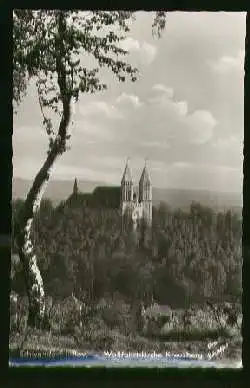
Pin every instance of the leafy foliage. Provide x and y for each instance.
(50, 46)
(193, 256)
(95, 276)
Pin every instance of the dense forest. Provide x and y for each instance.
(192, 256)
(88, 261)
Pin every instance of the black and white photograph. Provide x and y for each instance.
(127, 188)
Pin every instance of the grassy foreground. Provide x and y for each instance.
(45, 345)
(116, 327)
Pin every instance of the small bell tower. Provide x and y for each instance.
(75, 187)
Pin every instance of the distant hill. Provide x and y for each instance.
(59, 190)
(183, 198)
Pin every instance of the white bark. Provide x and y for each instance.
(34, 282)
(33, 279)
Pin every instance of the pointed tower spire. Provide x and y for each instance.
(145, 177)
(127, 175)
(127, 183)
(145, 194)
(75, 187)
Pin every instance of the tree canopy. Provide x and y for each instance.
(189, 259)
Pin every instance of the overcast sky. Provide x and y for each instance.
(185, 113)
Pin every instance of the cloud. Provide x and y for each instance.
(181, 107)
(130, 44)
(95, 108)
(227, 64)
(161, 88)
(196, 127)
(190, 102)
(200, 124)
(130, 99)
(65, 171)
(158, 166)
(91, 132)
(91, 168)
(108, 161)
(165, 101)
(221, 143)
(166, 95)
(155, 144)
(146, 52)
(150, 51)
(182, 165)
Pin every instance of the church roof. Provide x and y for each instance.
(145, 175)
(127, 175)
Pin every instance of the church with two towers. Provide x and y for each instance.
(136, 201)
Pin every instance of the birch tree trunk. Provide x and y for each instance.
(32, 275)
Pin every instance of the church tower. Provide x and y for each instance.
(145, 195)
(75, 187)
(126, 189)
(138, 208)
